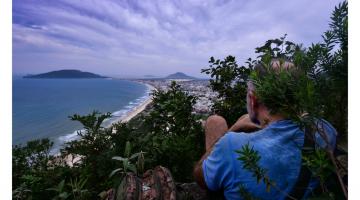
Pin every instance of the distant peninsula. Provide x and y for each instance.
(179, 75)
(67, 73)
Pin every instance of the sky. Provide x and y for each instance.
(134, 38)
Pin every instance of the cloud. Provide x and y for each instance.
(154, 37)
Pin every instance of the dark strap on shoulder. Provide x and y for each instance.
(304, 177)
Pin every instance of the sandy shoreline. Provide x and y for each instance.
(136, 110)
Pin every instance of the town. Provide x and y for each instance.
(195, 87)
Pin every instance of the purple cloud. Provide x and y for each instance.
(135, 38)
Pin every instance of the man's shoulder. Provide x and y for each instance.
(233, 136)
(229, 141)
(277, 134)
(237, 139)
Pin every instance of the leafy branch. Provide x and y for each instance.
(250, 159)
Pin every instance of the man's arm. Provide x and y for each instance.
(198, 171)
(244, 124)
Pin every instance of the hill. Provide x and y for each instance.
(179, 75)
(67, 73)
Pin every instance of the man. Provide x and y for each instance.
(276, 139)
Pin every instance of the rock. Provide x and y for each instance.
(190, 191)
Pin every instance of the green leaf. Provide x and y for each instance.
(114, 172)
(127, 149)
(119, 158)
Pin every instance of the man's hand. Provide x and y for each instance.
(244, 124)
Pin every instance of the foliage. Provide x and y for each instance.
(126, 161)
(59, 189)
(96, 146)
(278, 48)
(285, 91)
(32, 167)
(172, 112)
(329, 69)
(78, 188)
(21, 192)
(246, 195)
(319, 164)
(175, 138)
(229, 81)
(250, 159)
(32, 157)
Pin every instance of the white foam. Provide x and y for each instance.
(119, 113)
(63, 139)
(71, 136)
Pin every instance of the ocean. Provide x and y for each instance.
(41, 107)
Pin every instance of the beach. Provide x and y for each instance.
(136, 110)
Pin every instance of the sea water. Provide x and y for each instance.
(41, 107)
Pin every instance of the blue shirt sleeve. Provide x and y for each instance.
(217, 167)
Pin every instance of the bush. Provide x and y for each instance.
(175, 138)
(229, 81)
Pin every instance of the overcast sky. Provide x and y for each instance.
(148, 37)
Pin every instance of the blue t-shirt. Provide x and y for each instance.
(279, 145)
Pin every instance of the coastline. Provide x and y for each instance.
(70, 160)
(136, 110)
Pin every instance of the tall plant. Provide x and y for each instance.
(175, 134)
(228, 79)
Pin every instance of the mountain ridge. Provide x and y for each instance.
(179, 75)
(65, 73)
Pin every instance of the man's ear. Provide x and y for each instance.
(254, 107)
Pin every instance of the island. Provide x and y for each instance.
(67, 73)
